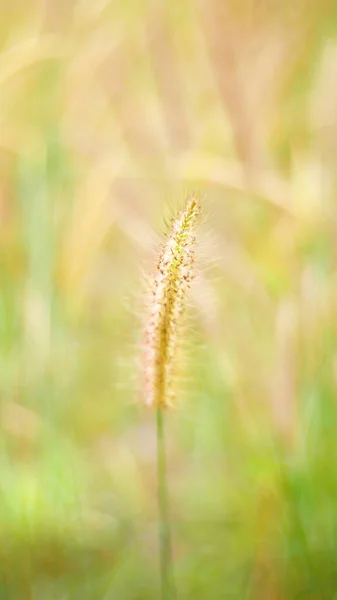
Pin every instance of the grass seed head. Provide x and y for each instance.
(168, 290)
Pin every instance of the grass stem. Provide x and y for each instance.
(168, 591)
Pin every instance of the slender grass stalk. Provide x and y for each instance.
(163, 332)
(168, 590)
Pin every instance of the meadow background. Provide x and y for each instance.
(111, 112)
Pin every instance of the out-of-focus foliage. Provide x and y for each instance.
(109, 112)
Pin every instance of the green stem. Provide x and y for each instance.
(166, 563)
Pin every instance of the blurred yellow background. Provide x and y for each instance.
(111, 113)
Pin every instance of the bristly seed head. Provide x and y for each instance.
(172, 279)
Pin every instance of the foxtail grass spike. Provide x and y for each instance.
(170, 283)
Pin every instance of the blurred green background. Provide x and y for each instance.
(110, 112)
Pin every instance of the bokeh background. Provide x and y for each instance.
(111, 112)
